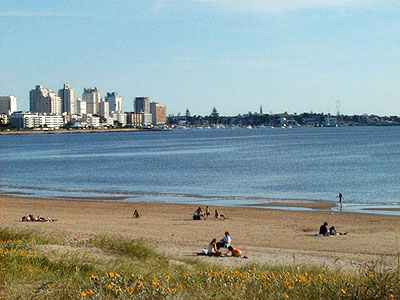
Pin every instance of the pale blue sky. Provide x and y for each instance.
(294, 55)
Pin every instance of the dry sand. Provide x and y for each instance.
(265, 236)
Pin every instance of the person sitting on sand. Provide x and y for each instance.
(218, 215)
(212, 248)
(136, 214)
(332, 230)
(323, 230)
(235, 252)
(208, 212)
(198, 214)
(225, 241)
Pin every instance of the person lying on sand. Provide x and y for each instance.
(332, 231)
(218, 215)
(31, 218)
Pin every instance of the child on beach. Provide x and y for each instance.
(235, 252)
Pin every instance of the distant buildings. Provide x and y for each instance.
(49, 110)
(44, 100)
(142, 105)
(115, 102)
(69, 99)
(8, 104)
(22, 120)
(92, 98)
(152, 112)
(158, 114)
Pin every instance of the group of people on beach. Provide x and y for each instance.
(324, 231)
(32, 218)
(199, 214)
(215, 248)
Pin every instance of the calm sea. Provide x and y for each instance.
(210, 166)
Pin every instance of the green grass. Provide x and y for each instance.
(40, 267)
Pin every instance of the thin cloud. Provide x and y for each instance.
(28, 14)
(31, 14)
(274, 6)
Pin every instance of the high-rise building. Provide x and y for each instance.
(142, 105)
(104, 108)
(158, 113)
(69, 99)
(115, 102)
(81, 107)
(8, 104)
(44, 100)
(92, 98)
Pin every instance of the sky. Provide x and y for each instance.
(234, 55)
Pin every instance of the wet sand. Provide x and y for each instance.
(264, 235)
(312, 205)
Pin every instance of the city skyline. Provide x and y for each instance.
(233, 55)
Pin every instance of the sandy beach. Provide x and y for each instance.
(264, 235)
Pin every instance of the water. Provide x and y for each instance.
(216, 167)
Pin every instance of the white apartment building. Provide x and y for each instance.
(115, 102)
(28, 120)
(92, 121)
(120, 117)
(44, 100)
(69, 99)
(8, 104)
(82, 107)
(104, 110)
(92, 98)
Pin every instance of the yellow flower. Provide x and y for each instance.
(111, 274)
(122, 271)
(254, 268)
(46, 268)
(167, 277)
(372, 276)
(131, 289)
(49, 286)
(343, 291)
(180, 287)
(116, 292)
(83, 294)
(154, 277)
(110, 287)
(140, 283)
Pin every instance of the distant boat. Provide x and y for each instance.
(249, 127)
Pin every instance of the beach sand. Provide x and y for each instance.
(264, 235)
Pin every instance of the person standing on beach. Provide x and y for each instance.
(341, 200)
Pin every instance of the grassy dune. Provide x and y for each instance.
(35, 266)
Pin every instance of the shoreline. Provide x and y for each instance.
(292, 204)
(265, 235)
(65, 131)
